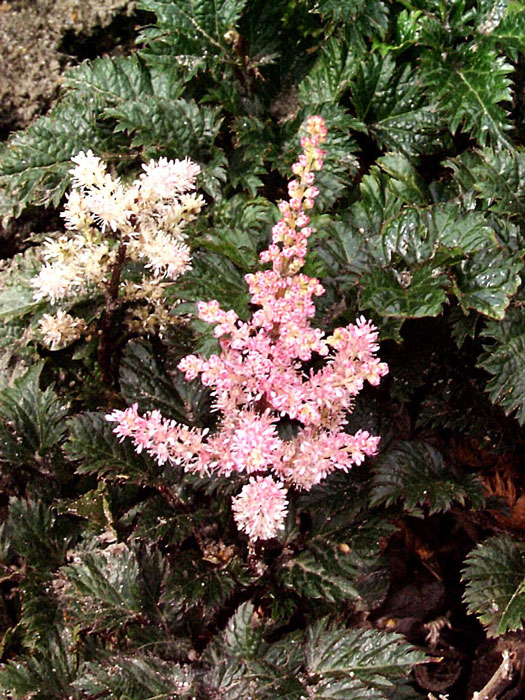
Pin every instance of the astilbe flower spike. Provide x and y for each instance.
(260, 382)
(106, 221)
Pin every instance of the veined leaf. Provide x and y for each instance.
(37, 533)
(416, 474)
(36, 418)
(210, 584)
(361, 17)
(241, 228)
(499, 177)
(393, 106)
(470, 83)
(138, 676)
(104, 590)
(93, 443)
(45, 674)
(330, 75)
(215, 277)
(35, 163)
(377, 205)
(142, 381)
(16, 294)
(117, 80)
(188, 25)
(509, 34)
(174, 127)
(375, 658)
(505, 360)
(495, 584)
(333, 570)
(405, 181)
(486, 282)
(404, 294)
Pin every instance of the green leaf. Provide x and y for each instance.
(17, 301)
(330, 75)
(105, 588)
(210, 583)
(407, 32)
(442, 234)
(46, 674)
(394, 108)
(142, 381)
(214, 277)
(241, 664)
(487, 281)
(404, 181)
(16, 296)
(336, 571)
(376, 206)
(241, 228)
(405, 294)
(490, 14)
(31, 420)
(92, 442)
(462, 325)
(189, 25)
(470, 82)
(499, 177)
(141, 677)
(504, 359)
(35, 163)
(495, 584)
(169, 127)
(509, 34)
(416, 474)
(155, 519)
(374, 658)
(37, 534)
(242, 636)
(361, 17)
(121, 79)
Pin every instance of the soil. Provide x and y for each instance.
(37, 43)
(39, 40)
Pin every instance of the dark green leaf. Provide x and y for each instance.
(495, 578)
(470, 83)
(416, 474)
(142, 381)
(37, 534)
(505, 360)
(330, 75)
(405, 294)
(104, 590)
(93, 443)
(44, 675)
(346, 570)
(393, 106)
(35, 418)
(167, 126)
(499, 177)
(35, 162)
(510, 34)
(192, 24)
(375, 658)
(141, 677)
(487, 281)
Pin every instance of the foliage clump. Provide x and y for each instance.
(124, 576)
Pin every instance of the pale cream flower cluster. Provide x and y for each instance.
(60, 330)
(105, 218)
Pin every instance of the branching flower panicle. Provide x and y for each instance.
(260, 382)
(145, 221)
